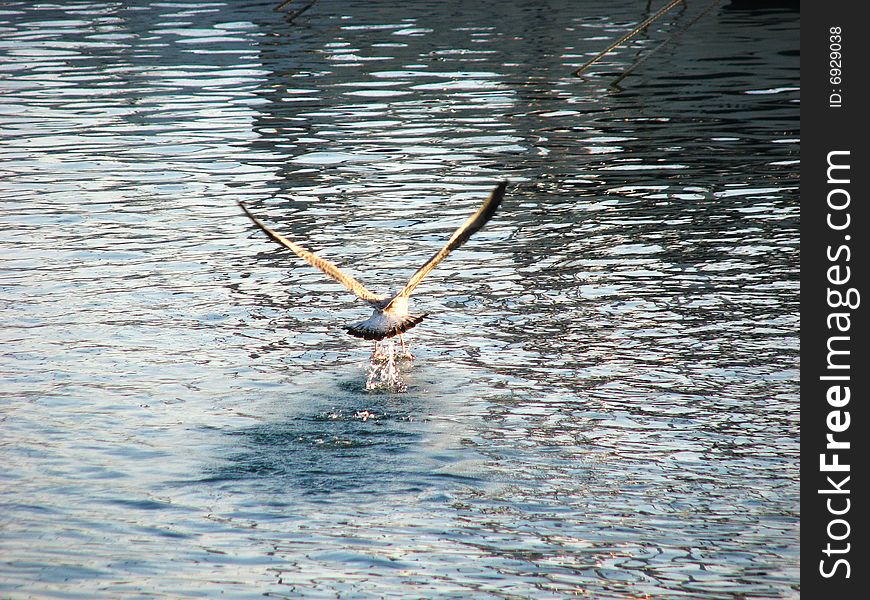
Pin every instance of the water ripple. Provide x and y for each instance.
(604, 400)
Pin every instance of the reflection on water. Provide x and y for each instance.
(604, 397)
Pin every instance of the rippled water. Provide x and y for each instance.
(604, 401)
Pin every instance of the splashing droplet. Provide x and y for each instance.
(383, 368)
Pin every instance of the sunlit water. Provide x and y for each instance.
(604, 400)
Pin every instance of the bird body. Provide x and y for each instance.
(391, 314)
(388, 318)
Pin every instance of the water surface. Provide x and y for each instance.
(605, 398)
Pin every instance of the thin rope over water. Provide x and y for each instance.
(627, 37)
(669, 39)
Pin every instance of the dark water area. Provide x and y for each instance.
(604, 401)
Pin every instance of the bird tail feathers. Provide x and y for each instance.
(366, 331)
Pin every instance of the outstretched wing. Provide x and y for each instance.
(315, 261)
(472, 225)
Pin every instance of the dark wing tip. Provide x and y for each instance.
(495, 198)
(245, 210)
(486, 211)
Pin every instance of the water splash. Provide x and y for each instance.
(384, 367)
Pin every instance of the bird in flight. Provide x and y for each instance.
(390, 316)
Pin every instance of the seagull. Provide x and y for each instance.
(390, 316)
